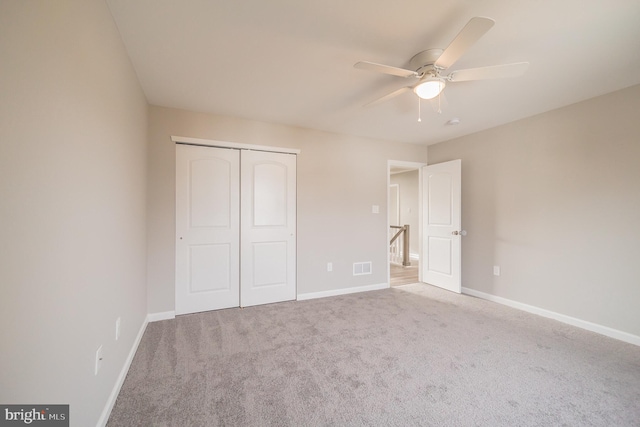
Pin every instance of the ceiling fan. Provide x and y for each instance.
(427, 66)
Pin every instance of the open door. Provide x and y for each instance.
(441, 211)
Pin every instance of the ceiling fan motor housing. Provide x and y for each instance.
(423, 62)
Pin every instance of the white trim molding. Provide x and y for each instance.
(589, 326)
(165, 315)
(151, 317)
(343, 291)
(106, 412)
(227, 144)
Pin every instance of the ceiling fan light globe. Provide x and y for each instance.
(430, 88)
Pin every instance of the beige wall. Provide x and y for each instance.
(72, 204)
(339, 179)
(408, 184)
(554, 200)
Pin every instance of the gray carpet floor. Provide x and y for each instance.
(406, 356)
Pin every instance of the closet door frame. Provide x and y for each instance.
(238, 145)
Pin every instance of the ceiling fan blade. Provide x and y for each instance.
(493, 72)
(471, 33)
(386, 69)
(388, 96)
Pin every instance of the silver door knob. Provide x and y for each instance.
(455, 233)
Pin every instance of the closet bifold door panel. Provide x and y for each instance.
(268, 227)
(235, 228)
(207, 228)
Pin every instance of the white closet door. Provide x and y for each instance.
(268, 229)
(207, 228)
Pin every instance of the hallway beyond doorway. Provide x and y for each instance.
(403, 275)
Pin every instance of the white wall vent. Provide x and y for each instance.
(360, 268)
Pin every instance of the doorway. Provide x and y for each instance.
(404, 202)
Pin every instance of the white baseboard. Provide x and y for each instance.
(123, 374)
(414, 257)
(343, 291)
(593, 327)
(164, 315)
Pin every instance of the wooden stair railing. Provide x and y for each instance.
(404, 232)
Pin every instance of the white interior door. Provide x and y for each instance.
(268, 227)
(207, 228)
(441, 246)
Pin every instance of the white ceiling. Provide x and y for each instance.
(291, 61)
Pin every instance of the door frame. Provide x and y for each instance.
(410, 166)
(396, 208)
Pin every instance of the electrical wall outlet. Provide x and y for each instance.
(496, 270)
(329, 266)
(117, 328)
(98, 360)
